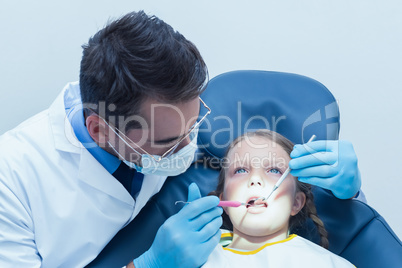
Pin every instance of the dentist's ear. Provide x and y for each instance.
(300, 201)
(96, 129)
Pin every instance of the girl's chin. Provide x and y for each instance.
(256, 210)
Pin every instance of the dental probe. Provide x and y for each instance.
(234, 204)
(281, 179)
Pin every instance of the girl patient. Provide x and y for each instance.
(261, 232)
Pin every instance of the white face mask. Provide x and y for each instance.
(171, 165)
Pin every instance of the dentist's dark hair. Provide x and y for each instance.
(308, 211)
(137, 57)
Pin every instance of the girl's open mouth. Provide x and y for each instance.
(251, 203)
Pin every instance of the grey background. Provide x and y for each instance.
(352, 47)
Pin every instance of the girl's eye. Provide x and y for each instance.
(274, 171)
(240, 170)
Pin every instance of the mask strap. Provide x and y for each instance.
(121, 157)
(118, 135)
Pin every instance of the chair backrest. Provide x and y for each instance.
(242, 101)
(296, 107)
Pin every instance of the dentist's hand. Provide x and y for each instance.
(328, 164)
(187, 238)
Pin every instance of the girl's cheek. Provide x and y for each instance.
(227, 191)
(287, 189)
(230, 189)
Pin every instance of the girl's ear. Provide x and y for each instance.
(300, 200)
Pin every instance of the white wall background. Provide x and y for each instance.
(352, 47)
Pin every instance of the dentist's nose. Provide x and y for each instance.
(255, 180)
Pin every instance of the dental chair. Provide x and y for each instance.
(295, 106)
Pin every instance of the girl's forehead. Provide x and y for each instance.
(257, 147)
(256, 144)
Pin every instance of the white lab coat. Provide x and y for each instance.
(58, 206)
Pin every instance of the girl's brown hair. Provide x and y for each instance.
(308, 211)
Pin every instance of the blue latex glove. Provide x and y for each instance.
(328, 164)
(187, 238)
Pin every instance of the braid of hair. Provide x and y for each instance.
(311, 212)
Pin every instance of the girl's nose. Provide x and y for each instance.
(255, 180)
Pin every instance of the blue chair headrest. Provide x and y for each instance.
(293, 105)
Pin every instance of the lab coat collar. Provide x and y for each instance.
(75, 114)
(94, 174)
(63, 134)
(90, 170)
